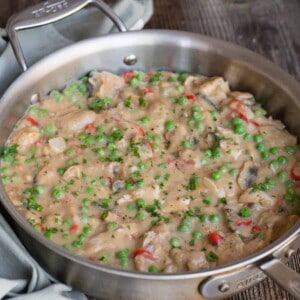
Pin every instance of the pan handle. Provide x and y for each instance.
(48, 12)
(283, 275)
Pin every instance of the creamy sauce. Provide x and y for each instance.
(157, 172)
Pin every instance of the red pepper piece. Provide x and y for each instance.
(191, 97)
(128, 76)
(91, 128)
(181, 163)
(110, 180)
(74, 229)
(139, 129)
(238, 107)
(93, 259)
(215, 238)
(256, 229)
(144, 253)
(243, 222)
(32, 121)
(295, 172)
(146, 91)
(151, 149)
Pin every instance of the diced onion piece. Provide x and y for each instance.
(58, 144)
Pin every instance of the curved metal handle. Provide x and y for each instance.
(288, 279)
(48, 12)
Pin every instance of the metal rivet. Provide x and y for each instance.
(34, 98)
(224, 287)
(289, 253)
(130, 59)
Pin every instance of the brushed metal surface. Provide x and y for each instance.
(155, 50)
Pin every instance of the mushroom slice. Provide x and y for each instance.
(263, 199)
(72, 172)
(248, 175)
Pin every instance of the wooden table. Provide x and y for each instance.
(268, 27)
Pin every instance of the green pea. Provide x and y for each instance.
(123, 253)
(67, 223)
(175, 242)
(290, 150)
(282, 175)
(82, 237)
(204, 218)
(129, 186)
(66, 236)
(86, 201)
(274, 150)
(57, 193)
(82, 136)
(197, 235)
(248, 137)
(223, 169)
(140, 183)
(179, 88)
(270, 183)
(196, 109)
(216, 175)
(140, 216)
(183, 101)
(145, 120)
(188, 220)
(208, 201)
(170, 125)
(172, 79)
(208, 153)
(282, 160)
(101, 129)
(101, 152)
(212, 257)
(77, 244)
(71, 152)
(239, 129)
(215, 219)
(39, 189)
(186, 144)
(142, 166)
(141, 203)
(112, 226)
(265, 155)
(199, 125)
(90, 190)
(184, 228)
(183, 76)
(124, 262)
(111, 146)
(131, 206)
(87, 229)
(197, 115)
(237, 121)
(260, 147)
(101, 139)
(258, 138)
(152, 269)
(245, 212)
(191, 122)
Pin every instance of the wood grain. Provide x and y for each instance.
(268, 27)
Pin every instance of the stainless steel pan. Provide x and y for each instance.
(149, 50)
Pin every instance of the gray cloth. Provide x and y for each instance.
(21, 274)
(21, 278)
